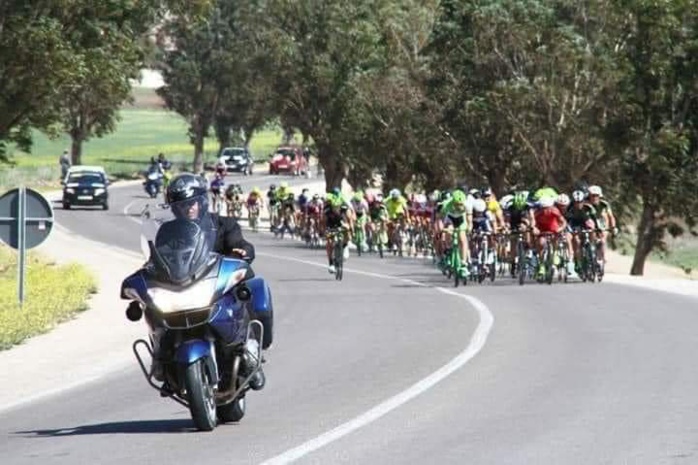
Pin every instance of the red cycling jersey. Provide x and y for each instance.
(549, 220)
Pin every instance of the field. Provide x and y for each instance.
(143, 132)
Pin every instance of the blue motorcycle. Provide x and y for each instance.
(209, 317)
(153, 183)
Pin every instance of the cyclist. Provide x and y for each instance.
(580, 215)
(396, 205)
(273, 204)
(216, 188)
(337, 214)
(548, 220)
(378, 214)
(562, 203)
(483, 222)
(455, 213)
(605, 219)
(518, 215)
(360, 206)
(313, 212)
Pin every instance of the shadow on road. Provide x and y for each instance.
(118, 427)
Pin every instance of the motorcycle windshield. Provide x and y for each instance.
(179, 249)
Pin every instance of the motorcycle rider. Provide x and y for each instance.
(188, 197)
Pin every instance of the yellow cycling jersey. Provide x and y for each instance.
(396, 206)
(493, 206)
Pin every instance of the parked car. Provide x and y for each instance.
(85, 185)
(288, 159)
(238, 160)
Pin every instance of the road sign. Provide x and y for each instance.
(26, 220)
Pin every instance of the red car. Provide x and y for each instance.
(288, 159)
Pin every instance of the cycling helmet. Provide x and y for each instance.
(474, 192)
(395, 193)
(487, 191)
(379, 197)
(272, 187)
(479, 205)
(459, 198)
(283, 185)
(578, 196)
(506, 201)
(595, 190)
(563, 199)
(444, 196)
(335, 200)
(316, 196)
(183, 191)
(547, 202)
(357, 197)
(336, 191)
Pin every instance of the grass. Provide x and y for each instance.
(141, 134)
(682, 252)
(53, 294)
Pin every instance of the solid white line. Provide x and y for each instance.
(477, 342)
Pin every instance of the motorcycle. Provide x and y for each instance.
(209, 318)
(152, 183)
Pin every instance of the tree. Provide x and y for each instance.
(320, 49)
(655, 128)
(212, 79)
(30, 78)
(90, 104)
(52, 54)
(192, 70)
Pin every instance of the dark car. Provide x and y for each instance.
(85, 185)
(238, 160)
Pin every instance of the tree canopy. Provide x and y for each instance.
(505, 93)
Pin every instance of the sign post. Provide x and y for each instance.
(26, 220)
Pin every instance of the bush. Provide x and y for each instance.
(53, 294)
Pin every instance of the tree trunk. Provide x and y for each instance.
(646, 238)
(199, 150)
(76, 140)
(334, 171)
(223, 136)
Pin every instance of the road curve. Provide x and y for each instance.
(568, 374)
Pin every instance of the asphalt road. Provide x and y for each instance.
(387, 367)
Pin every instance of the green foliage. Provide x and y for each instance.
(54, 294)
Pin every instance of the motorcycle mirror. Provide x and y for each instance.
(134, 312)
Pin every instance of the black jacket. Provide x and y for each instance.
(229, 236)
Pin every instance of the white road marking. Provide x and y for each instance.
(477, 342)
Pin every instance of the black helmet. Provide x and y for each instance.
(184, 189)
(486, 191)
(272, 187)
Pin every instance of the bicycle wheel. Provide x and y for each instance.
(338, 258)
(520, 262)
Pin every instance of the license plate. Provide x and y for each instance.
(84, 197)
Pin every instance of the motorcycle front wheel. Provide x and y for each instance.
(202, 402)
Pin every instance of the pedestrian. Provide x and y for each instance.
(64, 161)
